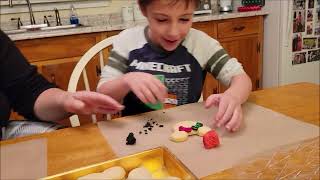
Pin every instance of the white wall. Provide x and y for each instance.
(271, 50)
(277, 58)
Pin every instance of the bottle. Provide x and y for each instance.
(73, 15)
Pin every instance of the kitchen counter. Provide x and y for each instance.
(106, 25)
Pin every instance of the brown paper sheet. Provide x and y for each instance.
(24, 160)
(262, 130)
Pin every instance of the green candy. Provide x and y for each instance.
(199, 124)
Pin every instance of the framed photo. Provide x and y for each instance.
(309, 28)
(297, 42)
(309, 43)
(299, 58)
(299, 4)
(309, 15)
(311, 4)
(314, 55)
(299, 21)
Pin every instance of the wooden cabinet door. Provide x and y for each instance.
(246, 49)
(207, 27)
(211, 84)
(59, 72)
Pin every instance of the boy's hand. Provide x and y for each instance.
(229, 110)
(146, 87)
(88, 102)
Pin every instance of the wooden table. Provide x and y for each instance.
(300, 101)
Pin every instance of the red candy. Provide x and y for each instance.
(211, 140)
(186, 129)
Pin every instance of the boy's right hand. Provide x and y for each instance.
(146, 87)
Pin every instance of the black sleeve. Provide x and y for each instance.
(19, 81)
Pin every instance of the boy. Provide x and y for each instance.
(168, 46)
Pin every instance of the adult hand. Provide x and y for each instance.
(229, 110)
(146, 87)
(88, 102)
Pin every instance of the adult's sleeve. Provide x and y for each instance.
(19, 81)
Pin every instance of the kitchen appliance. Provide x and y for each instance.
(127, 13)
(291, 42)
(225, 5)
(137, 14)
(204, 7)
(253, 2)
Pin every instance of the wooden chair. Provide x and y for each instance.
(80, 69)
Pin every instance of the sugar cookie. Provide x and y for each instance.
(139, 173)
(116, 172)
(203, 130)
(130, 163)
(179, 136)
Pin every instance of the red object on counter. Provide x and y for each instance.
(211, 140)
(249, 8)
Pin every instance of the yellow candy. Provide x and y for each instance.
(160, 174)
(153, 164)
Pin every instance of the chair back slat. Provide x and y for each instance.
(85, 80)
(80, 69)
(101, 59)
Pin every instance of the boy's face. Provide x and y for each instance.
(169, 23)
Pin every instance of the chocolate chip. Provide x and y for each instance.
(150, 129)
(147, 125)
(161, 126)
(140, 132)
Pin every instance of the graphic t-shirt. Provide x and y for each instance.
(184, 69)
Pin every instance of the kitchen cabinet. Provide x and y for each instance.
(56, 57)
(243, 39)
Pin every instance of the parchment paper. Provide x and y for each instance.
(262, 130)
(24, 160)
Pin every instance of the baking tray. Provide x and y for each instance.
(173, 165)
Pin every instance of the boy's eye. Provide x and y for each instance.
(184, 19)
(161, 20)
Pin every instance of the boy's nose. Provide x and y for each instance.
(173, 32)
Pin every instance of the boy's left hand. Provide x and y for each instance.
(229, 110)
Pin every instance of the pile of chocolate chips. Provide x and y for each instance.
(149, 125)
(131, 139)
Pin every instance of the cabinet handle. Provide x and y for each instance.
(215, 91)
(98, 71)
(258, 47)
(239, 28)
(257, 84)
(53, 79)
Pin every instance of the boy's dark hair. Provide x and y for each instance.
(145, 3)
